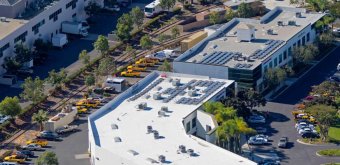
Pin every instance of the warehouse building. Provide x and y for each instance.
(36, 19)
(159, 120)
(244, 49)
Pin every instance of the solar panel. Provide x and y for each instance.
(207, 57)
(217, 57)
(213, 57)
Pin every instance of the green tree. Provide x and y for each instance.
(90, 80)
(47, 158)
(162, 38)
(275, 76)
(105, 67)
(326, 39)
(146, 42)
(305, 54)
(166, 66)
(92, 8)
(40, 117)
(11, 65)
(10, 106)
(33, 89)
(102, 45)
(23, 53)
(175, 32)
(334, 9)
(129, 48)
(57, 78)
(137, 17)
(318, 5)
(244, 10)
(229, 15)
(84, 57)
(213, 17)
(124, 27)
(325, 115)
(167, 4)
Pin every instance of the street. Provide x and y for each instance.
(281, 122)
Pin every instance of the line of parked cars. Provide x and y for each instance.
(306, 129)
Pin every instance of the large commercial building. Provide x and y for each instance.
(244, 49)
(159, 120)
(27, 20)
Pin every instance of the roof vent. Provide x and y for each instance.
(114, 126)
(279, 23)
(291, 23)
(142, 106)
(164, 108)
(133, 152)
(191, 152)
(192, 93)
(270, 32)
(157, 96)
(182, 149)
(161, 113)
(155, 134)
(161, 158)
(117, 139)
(149, 129)
(151, 160)
(176, 82)
(159, 88)
(298, 15)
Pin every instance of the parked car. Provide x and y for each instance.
(334, 79)
(41, 142)
(261, 136)
(67, 128)
(302, 125)
(310, 135)
(49, 136)
(4, 118)
(261, 129)
(256, 119)
(32, 147)
(257, 141)
(8, 163)
(15, 158)
(283, 142)
(25, 152)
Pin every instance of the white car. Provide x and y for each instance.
(256, 119)
(258, 141)
(311, 126)
(259, 136)
(32, 147)
(306, 129)
(4, 118)
(162, 55)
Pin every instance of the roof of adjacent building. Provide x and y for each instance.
(121, 127)
(10, 25)
(222, 48)
(8, 2)
(232, 3)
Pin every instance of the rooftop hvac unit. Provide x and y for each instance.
(298, 15)
(176, 82)
(164, 108)
(182, 149)
(161, 113)
(191, 152)
(159, 88)
(114, 126)
(156, 134)
(149, 129)
(291, 23)
(192, 93)
(279, 23)
(117, 139)
(270, 31)
(142, 106)
(157, 96)
(191, 87)
(147, 96)
(161, 158)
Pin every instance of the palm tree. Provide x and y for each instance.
(40, 118)
(242, 129)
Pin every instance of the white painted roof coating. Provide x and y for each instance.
(132, 129)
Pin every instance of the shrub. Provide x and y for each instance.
(330, 152)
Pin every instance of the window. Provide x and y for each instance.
(188, 126)
(193, 121)
(2, 49)
(73, 3)
(299, 43)
(74, 15)
(285, 55)
(54, 16)
(36, 27)
(289, 51)
(265, 68)
(275, 62)
(21, 37)
(270, 64)
(280, 58)
(308, 37)
(303, 40)
(207, 128)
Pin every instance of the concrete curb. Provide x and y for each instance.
(308, 144)
(336, 46)
(317, 154)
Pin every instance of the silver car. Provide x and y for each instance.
(283, 142)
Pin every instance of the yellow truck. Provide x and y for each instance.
(142, 63)
(130, 73)
(82, 109)
(136, 68)
(88, 103)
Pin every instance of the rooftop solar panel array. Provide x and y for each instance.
(211, 86)
(271, 45)
(217, 58)
(173, 92)
(154, 84)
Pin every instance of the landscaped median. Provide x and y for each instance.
(329, 152)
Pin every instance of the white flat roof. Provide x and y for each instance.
(224, 44)
(132, 126)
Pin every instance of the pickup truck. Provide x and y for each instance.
(142, 63)
(67, 129)
(130, 73)
(136, 68)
